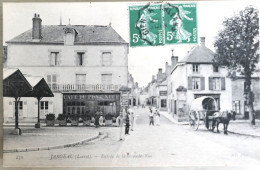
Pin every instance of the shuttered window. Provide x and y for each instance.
(217, 83)
(80, 59)
(106, 78)
(54, 58)
(106, 59)
(52, 81)
(80, 79)
(196, 83)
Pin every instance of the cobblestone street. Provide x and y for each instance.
(166, 145)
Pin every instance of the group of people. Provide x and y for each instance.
(125, 119)
(154, 118)
(99, 119)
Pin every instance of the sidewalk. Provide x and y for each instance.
(241, 127)
(46, 138)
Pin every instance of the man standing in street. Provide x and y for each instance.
(127, 123)
(132, 119)
(151, 118)
(120, 124)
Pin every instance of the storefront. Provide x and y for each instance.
(75, 103)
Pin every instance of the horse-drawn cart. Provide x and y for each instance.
(201, 110)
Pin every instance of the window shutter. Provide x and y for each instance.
(223, 83)
(58, 59)
(48, 78)
(76, 59)
(210, 83)
(54, 78)
(202, 81)
(189, 83)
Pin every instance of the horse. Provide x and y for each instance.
(222, 117)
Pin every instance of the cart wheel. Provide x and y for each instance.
(194, 119)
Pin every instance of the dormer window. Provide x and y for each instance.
(195, 68)
(70, 35)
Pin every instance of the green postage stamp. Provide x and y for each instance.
(159, 24)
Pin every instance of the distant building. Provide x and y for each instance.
(238, 99)
(134, 95)
(195, 76)
(84, 65)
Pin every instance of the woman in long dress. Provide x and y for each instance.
(120, 124)
(157, 118)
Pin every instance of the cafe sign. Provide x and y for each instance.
(91, 96)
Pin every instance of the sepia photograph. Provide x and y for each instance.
(131, 84)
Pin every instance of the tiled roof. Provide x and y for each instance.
(87, 34)
(199, 54)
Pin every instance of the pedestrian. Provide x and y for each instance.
(127, 123)
(120, 124)
(132, 119)
(101, 120)
(151, 117)
(157, 118)
(96, 120)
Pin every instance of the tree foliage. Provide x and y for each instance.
(237, 48)
(237, 44)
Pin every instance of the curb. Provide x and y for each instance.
(242, 134)
(55, 147)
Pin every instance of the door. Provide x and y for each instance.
(44, 109)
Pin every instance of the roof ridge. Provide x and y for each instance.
(88, 34)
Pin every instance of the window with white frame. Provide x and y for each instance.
(195, 68)
(216, 83)
(106, 58)
(236, 106)
(106, 78)
(52, 81)
(54, 58)
(195, 83)
(44, 105)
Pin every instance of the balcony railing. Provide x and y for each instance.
(84, 87)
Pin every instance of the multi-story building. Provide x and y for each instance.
(195, 76)
(239, 104)
(85, 66)
(134, 95)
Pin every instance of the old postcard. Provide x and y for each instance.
(131, 84)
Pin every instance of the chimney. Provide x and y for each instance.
(167, 69)
(37, 27)
(202, 41)
(159, 75)
(166, 66)
(153, 77)
(174, 61)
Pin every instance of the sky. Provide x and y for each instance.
(143, 62)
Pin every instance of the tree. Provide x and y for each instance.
(237, 48)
